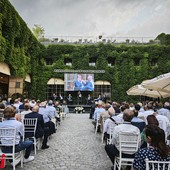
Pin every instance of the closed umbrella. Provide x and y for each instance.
(161, 83)
(139, 90)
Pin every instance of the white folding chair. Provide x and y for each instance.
(103, 121)
(7, 139)
(128, 144)
(1, 116)
(30, 125)
(97, 123)
(111, 129)
(157, 165)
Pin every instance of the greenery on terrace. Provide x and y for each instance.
(130, 65)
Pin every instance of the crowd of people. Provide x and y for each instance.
(150, 121)
(48, 114)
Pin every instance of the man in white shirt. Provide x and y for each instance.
(112, 149)
(163, 121)
(149, 111)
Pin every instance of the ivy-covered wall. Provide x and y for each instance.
(130, 64)
(19, 48)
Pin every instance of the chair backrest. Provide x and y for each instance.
(128, 142)
(112, 125)
(8, 137)
(140, 125)
(1, 116)
(157, 165)
(30, 125)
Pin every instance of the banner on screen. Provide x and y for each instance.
(79, 82)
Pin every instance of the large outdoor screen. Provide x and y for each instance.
(79, 82)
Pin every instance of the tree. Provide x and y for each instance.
(164, 38)
(38, 32)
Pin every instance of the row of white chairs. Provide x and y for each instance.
(130, 143)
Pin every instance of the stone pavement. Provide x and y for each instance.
(74, 147)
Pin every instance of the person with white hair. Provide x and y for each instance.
(99, 109)
(112, 120)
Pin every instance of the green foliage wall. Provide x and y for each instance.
(133, 64)
(19, 48)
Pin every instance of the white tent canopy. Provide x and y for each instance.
(161, 83)
(55, 81)
(142, 91)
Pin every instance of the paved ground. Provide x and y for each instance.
(73, 147)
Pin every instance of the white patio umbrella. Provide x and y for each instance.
(139, 90)
(161, 83)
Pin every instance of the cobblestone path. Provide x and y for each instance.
(73, 147)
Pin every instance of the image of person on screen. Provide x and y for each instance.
(78, 84)
(89, 84)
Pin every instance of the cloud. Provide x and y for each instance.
(94, 17)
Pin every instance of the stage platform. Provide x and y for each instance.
(87, 108)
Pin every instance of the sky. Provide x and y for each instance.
(119, 18)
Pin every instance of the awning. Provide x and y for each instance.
(54, 81)
(100, 82)
(28, 78)
(4, 68)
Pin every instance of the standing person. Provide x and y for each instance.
(61, 99)
(79, 97)
(70, 99)
(88, 100)
(157, 150)
(54, 97)
(11, 122)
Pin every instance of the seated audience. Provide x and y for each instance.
(157, 150)
(151, 119)
(114, 120)
(26, 111)
(163, 121)
(47, 122)
(99, 109)
(112, 150)
(11, 122)
(136, 121)
(104, 115)
(41, 130)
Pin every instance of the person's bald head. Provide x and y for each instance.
(111, 111)
(128, 115)
(35, 108)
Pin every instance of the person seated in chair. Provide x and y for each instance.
(157, 150)
(136, 121)
(41, 130)
(47, 121)
(11, 122)
(112, 150)
(114, 120)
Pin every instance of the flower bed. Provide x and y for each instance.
(79, 109)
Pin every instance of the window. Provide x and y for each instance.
(49, 61)
(136, 61)
(154, 62)
(55, 88)
(68, 61)
(111, 61)
(92, 61)
(17, 84)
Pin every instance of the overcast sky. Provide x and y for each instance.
(142, 18)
